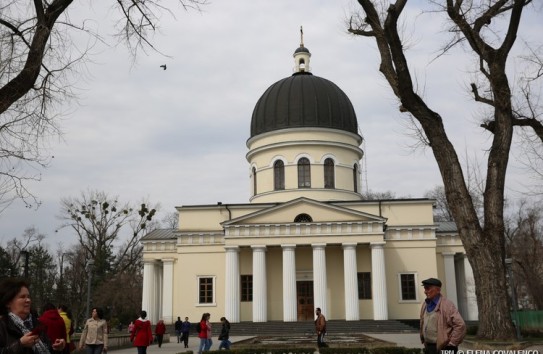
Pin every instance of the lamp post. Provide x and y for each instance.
(90, 264)
(26, 254)
(509, 267)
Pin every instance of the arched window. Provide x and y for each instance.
(355, 178)
(304, 173)
(329, 179)
(278, 175)
(303, 218)
(254, 180)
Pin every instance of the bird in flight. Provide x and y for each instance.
(163, 66)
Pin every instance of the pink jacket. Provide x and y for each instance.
(451, 328)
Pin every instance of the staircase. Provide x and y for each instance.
(332, 327)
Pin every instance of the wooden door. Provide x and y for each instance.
(304, 296)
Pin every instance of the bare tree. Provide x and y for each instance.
(38, 55)
(471, 23)
(171, 220)
(100, 222)
(525, 247)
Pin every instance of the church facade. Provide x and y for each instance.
(306, 238)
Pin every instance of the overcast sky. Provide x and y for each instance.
(177, 136)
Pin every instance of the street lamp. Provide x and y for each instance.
(26, 254)
(509, 267)
(90, 264)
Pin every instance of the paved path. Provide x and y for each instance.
(408, 340)
(174, 347)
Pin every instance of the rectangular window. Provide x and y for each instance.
(364, 285)
(205, 290)
(246, 288)
(408, 287)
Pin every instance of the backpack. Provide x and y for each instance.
(198, 327)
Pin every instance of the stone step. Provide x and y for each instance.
(308, 328)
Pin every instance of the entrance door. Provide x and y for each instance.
(304, 296)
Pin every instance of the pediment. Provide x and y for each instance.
(320, 212)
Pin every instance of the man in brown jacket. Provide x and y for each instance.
(441, 326)
(320, 327)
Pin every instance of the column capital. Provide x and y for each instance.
(168, 260)
(448, 254)
(231, 248)
(318, 245)
(150, 261)
(261, 248)
(289, 245)
(377, 244)
(349, 245)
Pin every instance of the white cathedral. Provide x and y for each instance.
(307, 238)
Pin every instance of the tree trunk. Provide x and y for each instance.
(495, 320)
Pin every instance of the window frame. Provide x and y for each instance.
(304, 173)
(361, 282)
(278, 175)
(213, 279)
(400, 288)
(329, 167)
(246, 294)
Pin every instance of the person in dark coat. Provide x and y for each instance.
(185, 329)
(20, 331)
(177, 326)
(225, 334)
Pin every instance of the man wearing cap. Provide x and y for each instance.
(441, 326)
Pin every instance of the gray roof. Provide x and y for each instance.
(160, 234)
(303, 100)
(446, 226)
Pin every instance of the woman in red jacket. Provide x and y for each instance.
(54, 324)
(142, 336)
(160, 329)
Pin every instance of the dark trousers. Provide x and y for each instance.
(185, 339)
(320, 340)
(159, 338)
(431, 348)
(142, 350)
(94, 348)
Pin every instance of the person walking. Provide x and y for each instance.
(131, 327)
(204, 333)
(160, 329)
(177, 327)
(142, 335)
(441, 325)
(225, 334)
(94, 336)
(54, 324)
(320, 328)
(66, 315)
(185, 329)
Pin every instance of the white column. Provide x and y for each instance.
(473, 310)
(232, 291)
(260, 298)
(289, 283)
(155, 313)
(378, 281)
(167, 292)
(148, 299)
(450, 277)
(352, 312)
(319, 277)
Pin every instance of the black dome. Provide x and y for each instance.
(303, 100)
(301, 49)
